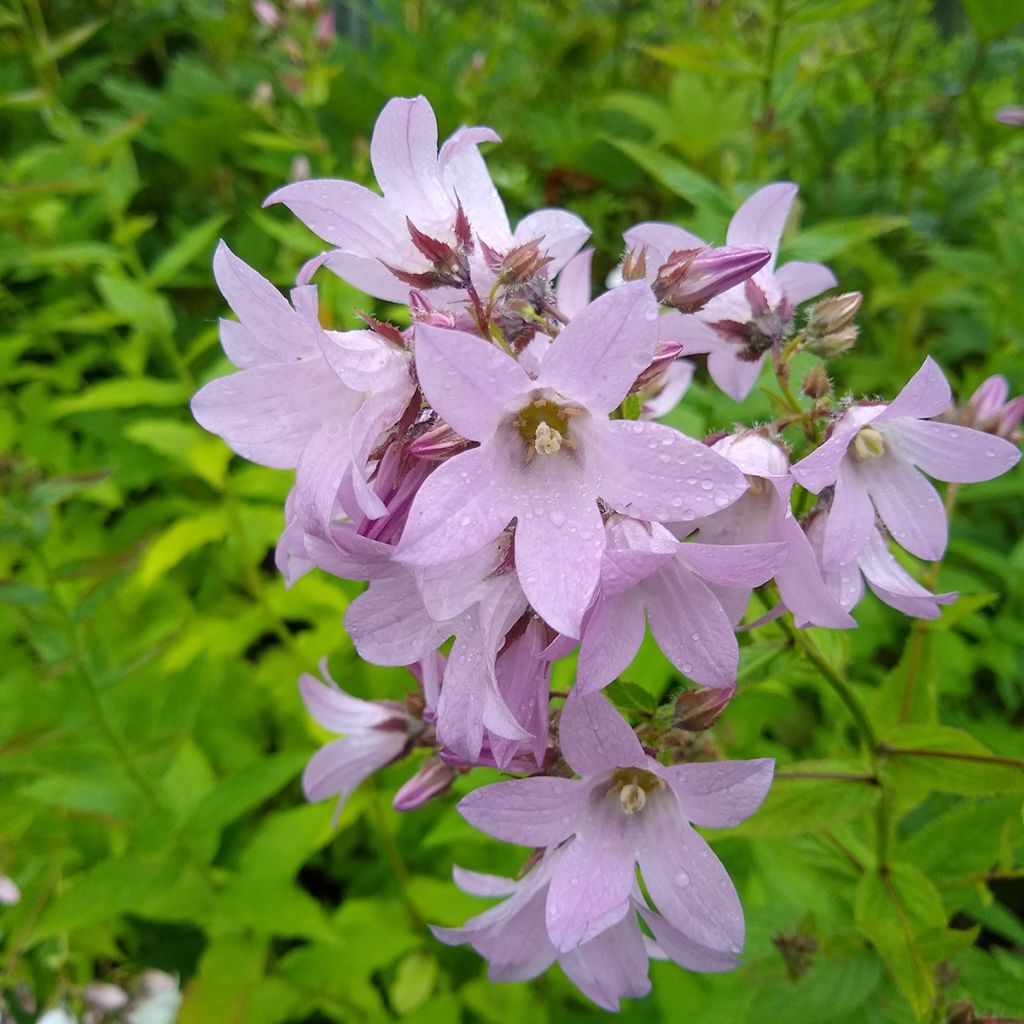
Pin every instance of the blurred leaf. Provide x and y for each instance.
(181, 539)
(195, 242)
(139, 307)
(230, 967)
(414, 982)
(992, 20)
(630, 697)
(828, 240)
(120, 393)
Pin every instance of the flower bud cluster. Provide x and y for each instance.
(495, 475)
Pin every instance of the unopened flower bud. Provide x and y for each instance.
(9, 892)
(267, 13)
(523, 262)
(697, 710)
(690, 278)
(830, 327)
(102, 996)
(325, 29)
(664, 355)
(433, 778)
(991, 409)
(816, 384)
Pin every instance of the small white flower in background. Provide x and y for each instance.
(9, 892)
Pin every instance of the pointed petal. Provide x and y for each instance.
(477, 884)
(760, 220)
(947, 451)
(338, 711)
(341, 765)
(597, 357)
(403, 151)
(593, 880)
(261, 308)
(611, 966)
(895, 586)
(558, 544)
(530, 812)
(389, 625)
(735, 565)
(612, 634)
(465, 176)
(735, 376)
(469, 382)
(574, 284)
(561, 233)
(691, 332)
(801, 586)
(925, 394)
(908, 505)
(720, 793)
(851, 517)
(687, 882)
(323, 464)
(462, 506)
(801, 281)
(347, 215)
(684, 951)
(644, 470)
(594, 737)
(690, 626)
(368, 274)
(816, 471)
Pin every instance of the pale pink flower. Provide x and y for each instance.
(626, 810)
(548, 451)
(873, 458)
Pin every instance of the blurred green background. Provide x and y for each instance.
(151, 734)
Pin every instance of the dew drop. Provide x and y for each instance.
(706, 484)
(677, 501)
(465, 521)
(682, 879)
(557, 518)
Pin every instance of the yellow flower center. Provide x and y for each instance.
(868, 444)
(544, 426)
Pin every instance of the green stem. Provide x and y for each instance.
(379, 822)
(953, 755)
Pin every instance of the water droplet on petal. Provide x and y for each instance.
(682, 879)
(557, 518)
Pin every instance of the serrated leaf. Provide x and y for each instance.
(630, 697)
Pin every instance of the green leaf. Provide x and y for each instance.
(181, 539)
(939, 757)
(992, 19)
(120, 393)
(195, 242)
(800, 801)
(892, 911)
(136, 304)
(828, 240)
(631, 697)
(230, 967)
(414, 982)
(678, 178)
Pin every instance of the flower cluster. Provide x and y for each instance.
(494, 472)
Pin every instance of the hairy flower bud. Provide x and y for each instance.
(690, 278)
(830, 327)
(697, 710)
(816, 384)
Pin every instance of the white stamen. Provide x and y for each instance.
(547, 441)
(632, 799)
(868, 444)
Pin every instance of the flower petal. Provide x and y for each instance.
(477, 884)
(760, 220)
(468, 381)
(465, 176)
(338, 711)
(594, 737)
(801, 281)
(851, 517)
(734, 565)
(895, 586)
(947, 451)
(341, 765)
(573, 291)
(735, 376)
(612, 634)
(690, 625)
(925, 394)
(908, 505)
(720, 793)
(644, 470)
(816, 471)
(461, 507)
(600, 353)
(687, 882)
(684, 951)
(611, 966)
(529, 812)
(561, 234)
(660, 240)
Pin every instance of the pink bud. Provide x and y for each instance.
(102, 996)
(267, 13)
(438, 444)
(9, 892)
(697, 710)
(325, 29)
(987, 402)
(690, 278)
(433, 779)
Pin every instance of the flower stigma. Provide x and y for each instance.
(633, 785)
(868, 444)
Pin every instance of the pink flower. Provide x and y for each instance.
(548, 451)
(873, 456)
(375, 734)
(646, 571)
(424, 188)
(738, 327)
(607, 968)
(307, 398)
(991, 409)
(627, 810)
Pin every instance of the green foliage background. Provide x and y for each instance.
(151, 734)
